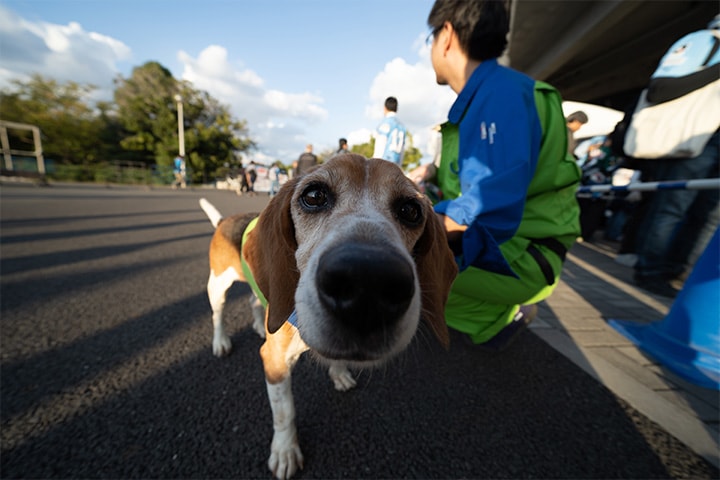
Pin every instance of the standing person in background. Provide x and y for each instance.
(342, 147)
(250, 177)
(274, 175)
(179, 172)
(507, 179)
(305, 162)
(390, 135)
(244, 186)
(679, 223)
(574, 121)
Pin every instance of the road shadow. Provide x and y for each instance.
(431, 413)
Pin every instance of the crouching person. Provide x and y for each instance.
(507, 180)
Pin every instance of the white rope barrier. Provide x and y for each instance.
(703, 184)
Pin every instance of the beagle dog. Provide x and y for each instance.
(346, 260)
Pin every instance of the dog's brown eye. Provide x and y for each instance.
(315, 197)
(410, 212)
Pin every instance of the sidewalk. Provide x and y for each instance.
(595, 289)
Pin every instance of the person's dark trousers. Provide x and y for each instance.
(679, 223)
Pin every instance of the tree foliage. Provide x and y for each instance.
(140, 125)
(69, 125)
(365, 149)
(148, 110)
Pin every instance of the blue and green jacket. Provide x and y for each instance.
(505, 170)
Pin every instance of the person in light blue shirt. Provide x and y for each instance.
(179, 172)
(390, 135)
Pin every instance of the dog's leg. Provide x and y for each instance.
(258, 313)
(285, 454)
(279, 353)
(341, 376)
(217, 288)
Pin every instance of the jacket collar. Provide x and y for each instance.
(471, 87)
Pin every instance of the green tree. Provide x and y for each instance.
(67, 120)
(412, 156)
(365, 149)
(147, 109)
(212, 137)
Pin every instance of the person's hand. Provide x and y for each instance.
(453, 230)
(423, 173)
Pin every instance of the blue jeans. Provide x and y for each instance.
(679, 223)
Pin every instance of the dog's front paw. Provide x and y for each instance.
(221, 345)
(341, 377)
(285, 456)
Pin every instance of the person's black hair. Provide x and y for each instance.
(342, 142)
(391, 104)
(481, 25)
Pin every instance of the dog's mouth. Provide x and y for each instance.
(366, 348)
(357, 355)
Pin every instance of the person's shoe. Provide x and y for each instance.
(507, 335)
(656, 285)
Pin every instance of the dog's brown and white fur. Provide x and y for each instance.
(358, 253)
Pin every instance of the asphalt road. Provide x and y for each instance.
(107, 370)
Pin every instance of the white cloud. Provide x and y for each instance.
(62, 52)
(276, 119)
(303, 105)
(357, 137)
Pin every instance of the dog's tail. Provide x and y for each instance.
(213, 214)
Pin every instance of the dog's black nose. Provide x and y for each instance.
(365, 286)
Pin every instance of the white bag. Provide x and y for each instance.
(678, 128)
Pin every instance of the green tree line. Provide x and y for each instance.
(140, 124)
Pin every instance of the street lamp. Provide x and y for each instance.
(181, 125)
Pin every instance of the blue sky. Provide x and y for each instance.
(303, 71)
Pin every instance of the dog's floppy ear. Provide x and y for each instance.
(437, 270)
(270, 253)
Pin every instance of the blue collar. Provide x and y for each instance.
(292, 319)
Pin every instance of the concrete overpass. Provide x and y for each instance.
(599, 51)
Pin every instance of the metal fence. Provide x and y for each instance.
(115, 171)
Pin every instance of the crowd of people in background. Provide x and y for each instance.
(662, 233)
